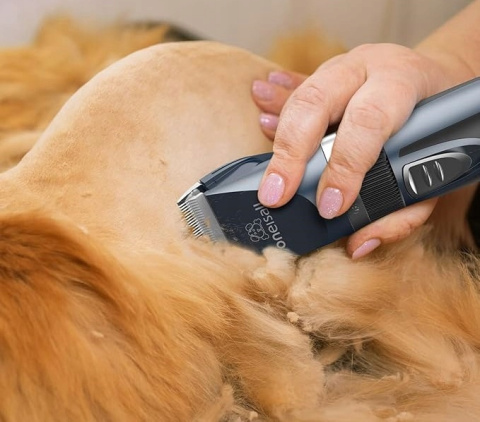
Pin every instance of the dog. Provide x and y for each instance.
(112, 311)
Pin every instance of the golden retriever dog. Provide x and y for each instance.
(111, 311)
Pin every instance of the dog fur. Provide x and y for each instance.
(37, 79)
(110, 311)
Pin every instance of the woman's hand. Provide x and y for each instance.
(371, 91)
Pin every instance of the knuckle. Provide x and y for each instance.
(333, 62)
(381, 51)
(351, 163)
(363, 48)
(402, 227)
(310, 96)
(368, 116)
(405, 229)
(402, 231)
(285, 150)
(346, 167)
(294, 141)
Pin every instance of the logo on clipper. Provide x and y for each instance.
(257, 232)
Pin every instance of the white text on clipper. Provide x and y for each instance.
(270, 224)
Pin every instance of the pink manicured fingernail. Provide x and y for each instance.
(280, 78)
(366, 248)
(263, 90)
(269, 121)
(271, 189)
(330, 202)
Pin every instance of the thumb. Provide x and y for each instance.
(389, 229)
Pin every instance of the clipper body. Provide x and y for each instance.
(435, 152)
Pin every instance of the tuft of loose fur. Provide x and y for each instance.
(192, 335)
(405, 327)
(85, 337)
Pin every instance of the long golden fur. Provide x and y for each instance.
(109, 311)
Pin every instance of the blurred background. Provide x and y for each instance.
(252, 24)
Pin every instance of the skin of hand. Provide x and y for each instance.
(370, 91)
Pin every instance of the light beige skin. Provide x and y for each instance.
(372, 90)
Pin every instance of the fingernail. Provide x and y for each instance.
(330, 202)
(366, 248)
(280, 78)
(271, 189)
(263, 90)
(269, 121)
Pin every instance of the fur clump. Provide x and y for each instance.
(192, 334)
(86, 336)
(399, 333)
(36, 80)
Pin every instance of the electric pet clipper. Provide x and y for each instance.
(435, 152)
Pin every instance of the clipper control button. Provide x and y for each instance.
(429, 174)
(439, 171)
(426, 175)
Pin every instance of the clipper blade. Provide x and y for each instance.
(199, 215)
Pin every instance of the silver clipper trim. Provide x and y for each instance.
(198, 214)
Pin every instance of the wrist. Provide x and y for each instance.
(451, 67)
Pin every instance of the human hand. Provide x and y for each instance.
(372, 90)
